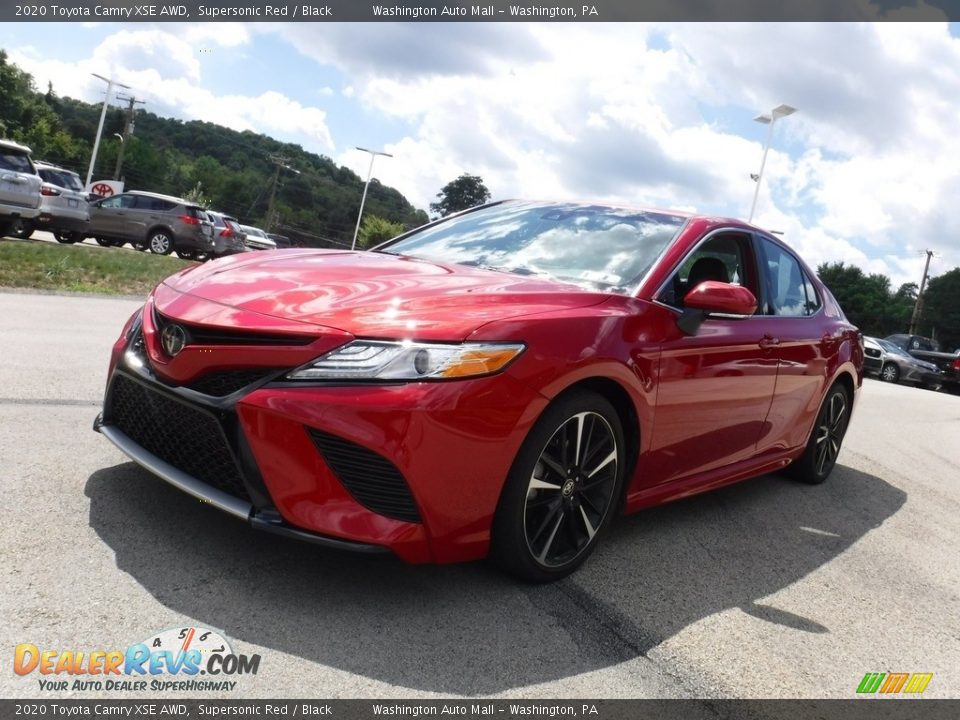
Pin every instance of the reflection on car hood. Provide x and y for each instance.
(375, 294)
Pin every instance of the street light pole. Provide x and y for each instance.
(775, 114)
(373, 156)
(103, 114)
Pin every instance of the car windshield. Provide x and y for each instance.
(893, 349)
(596, 247)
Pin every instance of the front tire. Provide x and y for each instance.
(160, 242)
(890, 373)
(820, 456)
(562, 489)
(67, 238)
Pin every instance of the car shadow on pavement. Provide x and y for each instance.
(467, 629)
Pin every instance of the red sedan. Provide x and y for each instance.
(501, 382)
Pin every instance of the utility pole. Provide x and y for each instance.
(918, 306)
(103, 114)
(128, 126)
(363, 199)
(280, 163)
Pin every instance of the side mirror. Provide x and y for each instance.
(711, 296)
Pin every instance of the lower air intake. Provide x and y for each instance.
(371, 479)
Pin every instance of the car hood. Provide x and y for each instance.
(375, 295)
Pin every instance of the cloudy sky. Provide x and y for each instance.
(867, 171)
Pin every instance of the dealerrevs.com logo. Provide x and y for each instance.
(186, 659)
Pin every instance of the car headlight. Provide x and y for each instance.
(380, 360)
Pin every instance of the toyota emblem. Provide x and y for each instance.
(173, 338)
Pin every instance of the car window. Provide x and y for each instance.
(15, 161)
(790, 293)
(727, 257)
(61, 178)
(119, 201)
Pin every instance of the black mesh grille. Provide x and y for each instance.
(189, 439)
(223, 383)
(370, 478)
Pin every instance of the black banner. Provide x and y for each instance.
(496, 11)
(855, 709)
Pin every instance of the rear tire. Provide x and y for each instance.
(562, 489)
(104, 242)
(160, 242)
(820, 456)
(67, 238)
(140, 245)
(22, 229)
(186, 255)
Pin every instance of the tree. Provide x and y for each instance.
(375, 230)
(466, 191)
(941, 309)
(866, 299)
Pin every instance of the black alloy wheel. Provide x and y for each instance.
(562, 489)
(820, 456)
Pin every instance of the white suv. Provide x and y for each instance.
(19, 185)
(64, 209)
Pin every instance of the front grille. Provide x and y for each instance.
(371, 479)
(189, 439)
(218, 384)
(200, 335)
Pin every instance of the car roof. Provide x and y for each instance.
(11, 145)
(42, 165)
(159, 196)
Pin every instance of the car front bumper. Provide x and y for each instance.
(414, 468)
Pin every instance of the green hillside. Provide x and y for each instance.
(234, 169)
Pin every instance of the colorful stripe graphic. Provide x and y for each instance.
(892, 683)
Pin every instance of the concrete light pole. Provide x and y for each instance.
(767, 119)
(103, 114)
(373, 156)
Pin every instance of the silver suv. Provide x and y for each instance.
(160, 223)
(227, 236)
(19, 186)
(64, 209)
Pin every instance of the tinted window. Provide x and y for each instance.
(61, 178)
(145, 202)
(604, 248)
(18, 162)
(789, 292)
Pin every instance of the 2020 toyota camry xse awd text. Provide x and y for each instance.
(498, 383)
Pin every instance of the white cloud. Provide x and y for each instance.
(865, 172)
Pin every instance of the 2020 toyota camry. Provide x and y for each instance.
(498, 383)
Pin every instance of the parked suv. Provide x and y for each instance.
(228, 238)
(160, 223)
(19, 186)
(64, 209)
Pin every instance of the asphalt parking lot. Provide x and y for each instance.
(765, 589)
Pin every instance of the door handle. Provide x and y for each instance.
(768, 341)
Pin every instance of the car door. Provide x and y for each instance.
(805, 340)
(715, 386)
(108, 217)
